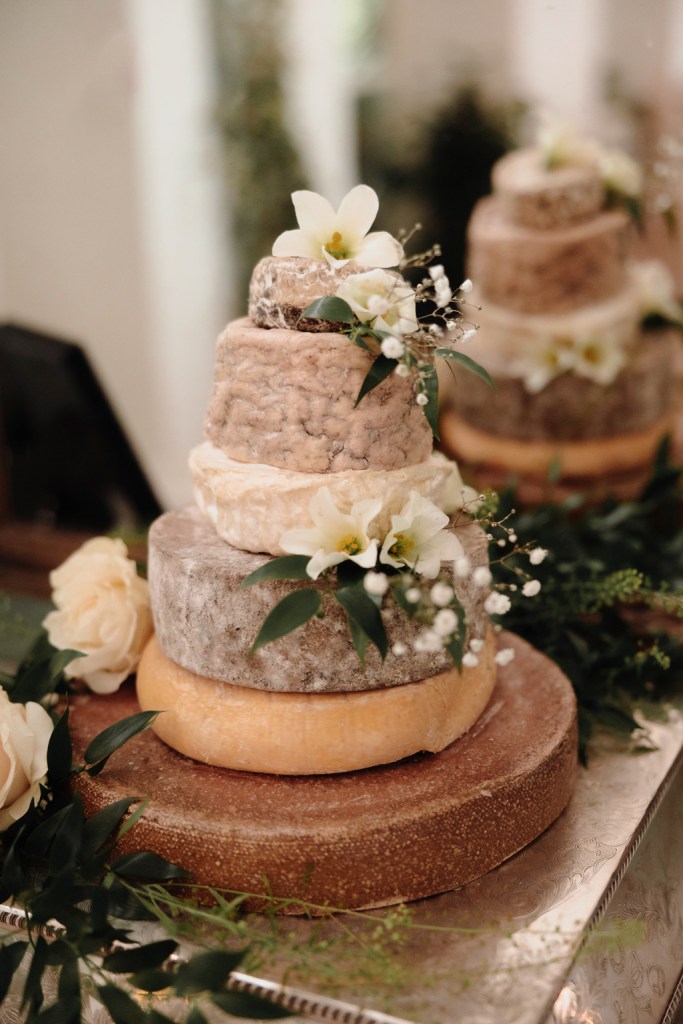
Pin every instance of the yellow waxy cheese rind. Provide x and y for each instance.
(310, 734)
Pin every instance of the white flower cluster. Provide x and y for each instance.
(418, 537)
(599, 358)
(560, 143)
(656, 291)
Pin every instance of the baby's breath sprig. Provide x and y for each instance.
(377, 310)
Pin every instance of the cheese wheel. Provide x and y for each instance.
(535, 196)
(310, 734)
(287, 398)
(593, 457)
(534, 271)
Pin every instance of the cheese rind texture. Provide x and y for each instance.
(534, 196)
(206, 623)
(283, 286)
(506, 337)
(312, 734)
(288, 399)
(534, 271)
(596, 457)
(571, 407)
(251, 505)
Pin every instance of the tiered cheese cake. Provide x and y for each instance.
(581, 393)
(282, 429)
(383, 744)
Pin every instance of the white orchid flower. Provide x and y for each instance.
(600, 359)
(340, 236)
(382, 298)
(418, 538)
(560, 143)
(620, 173)
(336, 536)
(656, 290)
(541, 365)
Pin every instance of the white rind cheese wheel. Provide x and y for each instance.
(251, 505)
(310, 734)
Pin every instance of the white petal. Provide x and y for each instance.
(300, 541)
(297, 243)
(379, 249)
(323, 560)
(314, 214)
(357, 212)
(366, 558)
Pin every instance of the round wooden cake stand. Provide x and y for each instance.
(361, 839)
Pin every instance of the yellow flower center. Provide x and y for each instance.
(336, 247)
(402, 546)
(350, 545)
(592, 353)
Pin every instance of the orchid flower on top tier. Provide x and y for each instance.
(336, 536)
(418, 538)
(342, 236)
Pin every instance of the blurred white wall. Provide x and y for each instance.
(110, 231)
(320, 95)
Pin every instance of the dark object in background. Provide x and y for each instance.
(67, 463)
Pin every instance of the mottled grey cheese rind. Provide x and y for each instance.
(570, 407)
(546, 271)
(283, 286)
(535, 196)
(206, 623)
(287, 398)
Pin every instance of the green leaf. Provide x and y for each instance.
(66, 845)
(363, 611)
(69, 988)
(128, 961)
(242, 1004)
(206, 972)
(144, 864)
(153, 980)
(468, 363)
(62, 1012)
(121, 1007)
(33, 991)
(287, 567)
(113, 737)
(292, 611)
(360, 639)
(330, 307)
(11, 956)
(431, 389)
(13, 876)
(42, 676)
(103, 826)
(379, 371)
(59, 751)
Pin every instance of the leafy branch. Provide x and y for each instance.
(607, 569)
(417, 356)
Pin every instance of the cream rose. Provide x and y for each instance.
(102, 610)
(25, 731)
(382, 298)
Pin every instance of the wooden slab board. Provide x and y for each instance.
(361, 839)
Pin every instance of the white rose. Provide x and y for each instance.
(102, 610)
(25, 731)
